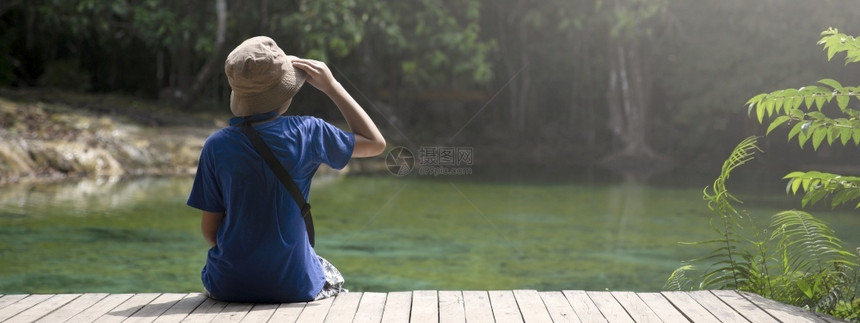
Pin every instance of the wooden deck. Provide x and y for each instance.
(417, 306)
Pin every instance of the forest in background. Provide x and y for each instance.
(641, 85)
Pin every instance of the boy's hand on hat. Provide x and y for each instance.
(319, 75)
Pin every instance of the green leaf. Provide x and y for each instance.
(759, 111)
(796, 102)
(795, 185)
(832, 134)
(819, 101)
(778, 102)
(805, 183)
(845, 135)
(802, 137)
(776, 122)
(817, 115)
(755, 101)
(842, 101)
(831, 83)
(794, 174)
(795, 130)
(804, 287)
(808, 101)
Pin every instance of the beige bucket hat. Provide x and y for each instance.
(262, 77)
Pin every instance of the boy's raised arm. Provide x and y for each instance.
(368, 140)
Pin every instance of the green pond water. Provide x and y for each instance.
(385, 233)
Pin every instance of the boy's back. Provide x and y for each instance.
(262, 253)
(259, 245)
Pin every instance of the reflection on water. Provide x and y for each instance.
(99, 195)
(384, 233)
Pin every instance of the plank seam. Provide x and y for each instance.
(689, 319)
(11, 316)
(542, 303)
(190, 311)
(83, 309)
(734, 309)
(759, 306)
(622, 306)
(492, 307)
(57, 307)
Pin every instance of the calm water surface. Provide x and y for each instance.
(384, 233)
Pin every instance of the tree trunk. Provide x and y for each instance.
(513, 40)
(628, 99)
(206, 71)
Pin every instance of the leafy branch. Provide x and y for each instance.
(805, 109)
(836, 42)
(819, 185)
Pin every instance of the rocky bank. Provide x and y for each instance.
(49, 135)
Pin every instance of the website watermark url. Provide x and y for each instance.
(431, 160)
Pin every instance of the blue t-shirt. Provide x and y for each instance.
(262, 252)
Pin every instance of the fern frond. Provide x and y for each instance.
(808, 244)
(678, 280)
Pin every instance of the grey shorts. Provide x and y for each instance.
(333, 281)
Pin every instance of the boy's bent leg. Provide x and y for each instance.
(333, 281)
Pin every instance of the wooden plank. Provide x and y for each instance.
(154, 309)
(100, 308)
(743, 306)
(43, 308)
(782, 312)
(233, 312)
(260, 313)
(451, 308)
(505, 307)
(11, 299)
(397, 307)
(370, 308)
(288, 312)
(73, 308)
(476, 305)
(531, 306)
(714, 305)
(127, 308)
(610, 307)
(689, 307)
(343, 308)
(661, 306)
(206, 311)
(425, 307)
(316, 311)
(22, 305)
(583, 306)
(181, 309)
(636, 307)
(558, 307)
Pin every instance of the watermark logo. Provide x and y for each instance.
(400, 161)
(434, 161)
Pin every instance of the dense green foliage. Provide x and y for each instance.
(797, 259)
(805, 108)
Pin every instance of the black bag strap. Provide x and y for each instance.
(282, 174)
